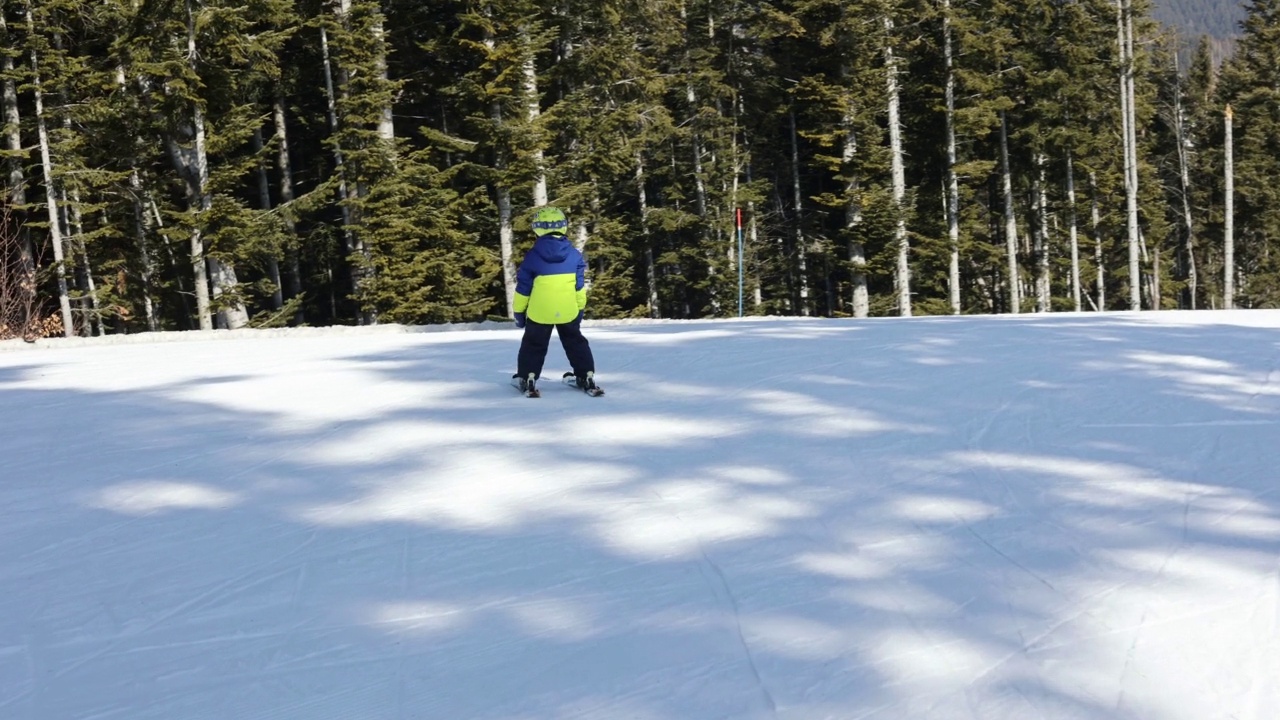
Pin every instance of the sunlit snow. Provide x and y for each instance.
(993, 518)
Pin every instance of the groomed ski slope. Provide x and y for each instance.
(995, 518)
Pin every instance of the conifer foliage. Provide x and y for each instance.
(185, 164)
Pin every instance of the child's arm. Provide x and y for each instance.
(524, 287)
(581, 285)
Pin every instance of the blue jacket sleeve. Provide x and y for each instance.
(581, 286)
(524, 277)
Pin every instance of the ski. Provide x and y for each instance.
(533, 392)
(572, 381)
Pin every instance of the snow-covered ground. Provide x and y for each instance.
(1001, 518)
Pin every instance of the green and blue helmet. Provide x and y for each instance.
(550, 221)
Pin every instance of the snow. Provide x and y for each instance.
(1067, 516)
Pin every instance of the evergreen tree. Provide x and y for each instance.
(1251, 86)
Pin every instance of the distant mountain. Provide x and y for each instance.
(1219, 20)
(1216, 18)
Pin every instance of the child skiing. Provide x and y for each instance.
(551, 293)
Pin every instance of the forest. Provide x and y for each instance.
(199, 164)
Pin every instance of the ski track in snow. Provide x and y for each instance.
(1069, 516)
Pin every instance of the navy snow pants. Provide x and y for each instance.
(537, 337)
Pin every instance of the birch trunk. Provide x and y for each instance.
(860, 301)
(1229, 211)
(141, 227)
(208, 271)
(1010, 220)
(1072, 234)
(183, 294)
(1040, 238)
(264, 201)
(331, 100)
(74, 222)
(1127, 98)
(650, 267)
(17, 177)
(51, 196)
(93, 315)
(284, 165)
(902, 275)
(386, 118)
(953, 185)
(1096, 225)
(533, 112)
(700, 193)
(350, 242)
(1184, 178)
(1155, 278)
(753, 237)
(506, 230)
(506, 238)
(802, 259)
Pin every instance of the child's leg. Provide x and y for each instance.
(576, 348)
(533, 349)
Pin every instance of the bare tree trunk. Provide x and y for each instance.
(700, 191)
(1184, 177)
(362, 267)
(284, 165)
(141, 225)
(74, 222)
(802, 255)
(753, 237)
(351, 243)
(748, 251)
(141, 201)
(1010, 220)
(93, 312)
(1072, 233)
(902, 275)
(735, 209)
(581, 227)
(331, 99)
(1040, 237)
(650, 267)
(178, 280)
(1096, 225)
(506, 239)
(51, 196)
(264, 201)
(208, 271)
(506, 231)
(953, 186)
(1155, 278)
(17, 177)
(1127, 97)
(386, 124)
(1229, 211)
(860, 300)
(533, 103)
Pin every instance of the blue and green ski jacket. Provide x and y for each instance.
(551, 282)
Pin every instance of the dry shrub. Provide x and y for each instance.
(19, 306)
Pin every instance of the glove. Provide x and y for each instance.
(581, 313)
(519, 320)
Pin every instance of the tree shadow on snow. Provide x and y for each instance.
(941, 518)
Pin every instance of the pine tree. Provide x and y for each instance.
(1251, 87)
